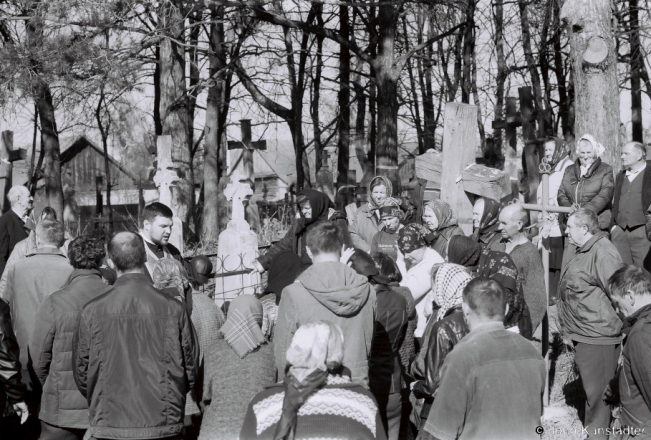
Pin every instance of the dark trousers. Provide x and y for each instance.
(390, 407)
(597, 365)
(51, 432)
(632, 245)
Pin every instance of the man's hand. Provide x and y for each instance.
(346, 254)
(21, 410)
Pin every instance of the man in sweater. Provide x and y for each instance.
(587, 316)
(12, 222)
(525, 255)
(630, 287)
(328, 290)
(64, 411)
(479, 396)
(631, 202)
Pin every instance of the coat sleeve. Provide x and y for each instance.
(17, 254)
(606, 264)
(438, 348)
(80, 353)
(648, 224)
(356, 239)
(4, 245)
(190, 348)
(564, 196)
(535, 288)
(40, 347)
(286, 326)
(248, 431)
(285, 244)
(640, 357)
(9, 359)
(604, 197)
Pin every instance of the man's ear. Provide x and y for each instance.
(309, 253)
(466, 308)
(111, 264)
(630, 296)
(146, 225)
(506, 309)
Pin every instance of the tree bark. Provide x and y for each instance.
(468, 53)
(173, 107)
(636, 63)
(595, 78)
(531, 63)
(343, 145)
(564, 96)
(500, 78)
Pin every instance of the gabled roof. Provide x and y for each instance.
(78, 144)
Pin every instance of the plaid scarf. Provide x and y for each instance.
(448, 285)
(242, 327)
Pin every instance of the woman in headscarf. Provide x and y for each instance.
(391, 318)
(442, 224)
(236, 366)
(444, 330)
(314, 400)
(485, 221)
(589, 183)
(313, 207)
(386, 240)
(366, 222)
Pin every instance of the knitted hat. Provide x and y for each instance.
(463, 250)
(411, 237)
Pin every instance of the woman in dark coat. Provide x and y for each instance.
(485, 221)
(314, 206)
(441, 222)
(589, 183)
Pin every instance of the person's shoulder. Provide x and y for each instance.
(173, 250)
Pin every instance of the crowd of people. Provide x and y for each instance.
(373, 324)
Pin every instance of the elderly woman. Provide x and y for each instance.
(442, 224)
(236, 366)
(367, 222)
(314, 400)
(170, 276)
(485, 221)
(385, 241)
(314, 206)
(589, 183)
(413, 249)
(444, 330)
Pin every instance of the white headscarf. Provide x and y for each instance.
(598, 148)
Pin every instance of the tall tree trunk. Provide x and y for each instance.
(316, 93)
(565, 98)
(531, 63)
(158, 125)
(468, 52)
(500, 78)
(343, 145)
(636, 62)
(195, 77)
(212, 143)
(414, 98)
(173, 107)
(104, 127)
(595, 78)
(425, 78)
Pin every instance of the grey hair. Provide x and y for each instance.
(15, 192)
(586, 217)
(639, 147)
(317, 345)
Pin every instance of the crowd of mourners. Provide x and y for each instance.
(374, 324)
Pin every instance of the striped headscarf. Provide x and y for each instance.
(242, 329)
(448, 284)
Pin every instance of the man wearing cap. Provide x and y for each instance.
(413, 250)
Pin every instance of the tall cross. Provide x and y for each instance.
(247, 148)
(7, 157)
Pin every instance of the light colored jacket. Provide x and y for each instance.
(363, 226)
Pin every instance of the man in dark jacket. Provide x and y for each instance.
(630, 287)
(64, 411)
(135, 354)
(12, 222)
(632, 200)
(587, 316)
(13, 390)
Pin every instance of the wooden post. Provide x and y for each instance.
(459, 145)
(99, 202)
(247, 147)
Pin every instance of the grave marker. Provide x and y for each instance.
(247, 147)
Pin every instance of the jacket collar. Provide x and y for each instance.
(643, 314)
(452, 310)
(79, 273)
(595, 238)
(591, 170)
(48, 250)
(488, 327)
(133, 278)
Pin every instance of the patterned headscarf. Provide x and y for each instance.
(489, 223)
(561, 150)
(444, 215)
(377, 181)
(500, 267)
(448, 284)
(390, 207)
(242, 329)
(411, 237)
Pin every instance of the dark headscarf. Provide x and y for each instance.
(464, 251)
(283, 271)
(561, 151)
(363, 264)
(489, 223)
(500, 267)
(444, 215)
(320, 204)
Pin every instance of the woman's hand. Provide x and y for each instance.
(346, 254)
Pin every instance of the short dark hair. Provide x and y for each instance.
(486, 297)
(48, 213)
(127, 250)
(51, 232)
(586, 217)
(387, 267)
(86, 252)
(324, 237)
(153, 210)
(629, 277)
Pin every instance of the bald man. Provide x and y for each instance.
(12, 222)
(525, 255)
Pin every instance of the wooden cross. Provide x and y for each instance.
(7, 157)
(247, 148)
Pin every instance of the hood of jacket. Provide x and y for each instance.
(338, 287)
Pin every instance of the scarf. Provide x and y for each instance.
(500, 267)
(377, 181)
(489, 223)
(242, 329)
(296, 393)
(448, 285)
(444, 215)
(320, 204)
(598, 148)
(464, 251)
(411, 237)
(283, 271)
(561, 151)
(390, 207)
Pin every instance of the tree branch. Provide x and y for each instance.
(400, 62)
(260, 98)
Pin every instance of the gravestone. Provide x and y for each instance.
(165, 180)
(237, 247)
